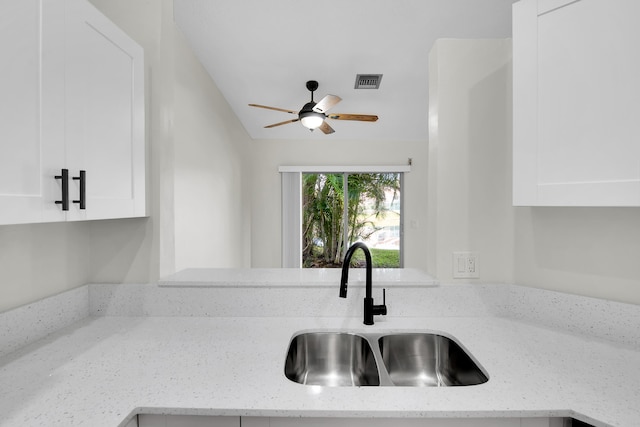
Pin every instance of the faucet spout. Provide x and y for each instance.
(369, 308)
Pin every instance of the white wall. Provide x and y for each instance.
(212, 219)
(586, 251)
(268, 155)
(37, 260)
(470, 157)
(199, 203)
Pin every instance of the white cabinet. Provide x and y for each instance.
(204, 421)
(576, 111)
(186, 421)
(399, 422)
(104, 108)
(72, 97)
(31, 118)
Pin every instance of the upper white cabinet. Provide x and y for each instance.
(72, 86)
(31, 111)
(104, 108)
(576, 103)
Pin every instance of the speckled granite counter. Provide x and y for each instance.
(99, 371)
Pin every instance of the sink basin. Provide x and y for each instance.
(416, 359)
(424, 359)
(331, 359)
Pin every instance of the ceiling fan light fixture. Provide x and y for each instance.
(311, 120)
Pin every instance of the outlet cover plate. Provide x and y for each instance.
(466, 265)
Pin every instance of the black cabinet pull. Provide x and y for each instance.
(64, 176)
(83, 189)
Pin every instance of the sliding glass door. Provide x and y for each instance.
(339, 209)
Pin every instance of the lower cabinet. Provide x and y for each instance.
(399, 422)
(204, 421)
(186, 421)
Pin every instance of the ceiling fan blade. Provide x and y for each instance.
(273, 108)
(358, 117)
(326, 103)
(281, 123)
(325, 128)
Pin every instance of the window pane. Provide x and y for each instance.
(374, 216)
(322, 220)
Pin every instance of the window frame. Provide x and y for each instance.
(291, 184)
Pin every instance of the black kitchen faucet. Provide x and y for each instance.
(370, 309)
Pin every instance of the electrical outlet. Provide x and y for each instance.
(465, 265)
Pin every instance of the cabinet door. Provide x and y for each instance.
(576, 109)
(202, 421)
(104, 114)
(31, 111)
(187, 421)
(382, 422)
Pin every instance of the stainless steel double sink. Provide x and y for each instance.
(417, 359)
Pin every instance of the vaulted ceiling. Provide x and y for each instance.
(263, 52)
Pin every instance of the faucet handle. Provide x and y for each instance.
(381, 309)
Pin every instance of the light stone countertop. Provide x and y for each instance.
(102, 370)
(197, 344)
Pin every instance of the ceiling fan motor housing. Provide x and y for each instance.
(310, 119)
(308, 108)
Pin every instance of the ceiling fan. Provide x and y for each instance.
(312, 115)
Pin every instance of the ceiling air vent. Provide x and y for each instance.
(368, 81)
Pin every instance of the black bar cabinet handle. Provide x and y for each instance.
(83, 189)
(64, 176)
